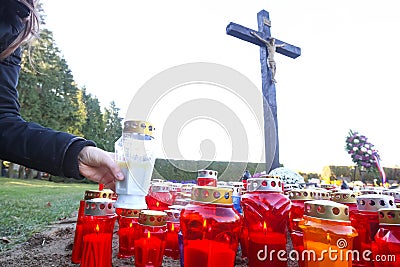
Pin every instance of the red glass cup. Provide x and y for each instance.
(210, 228)
(151, 241)
(366, 221)
(173, 228)
(127, 232)
(207, 178)
(159, 197)
(98, 230)
(78, 237)
(266, 216)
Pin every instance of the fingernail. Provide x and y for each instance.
(120, 176)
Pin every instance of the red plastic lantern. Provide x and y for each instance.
(98, 231)
(366, 221)
(150, 245)
(387, 239)
(173, 227)
(266, 216)
(78, 237)
(159, 197)
(127, 232)
(207, 178)
(326, 228)
(210, 227)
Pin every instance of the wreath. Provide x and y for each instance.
(361, 151)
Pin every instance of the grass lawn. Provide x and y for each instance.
(27, 206)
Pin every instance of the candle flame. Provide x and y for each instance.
(148, 234)
(328, 237)
(173, 227)
(157, 204)
(130, 225)
(97, 228)
(265, 226)
(204, 223)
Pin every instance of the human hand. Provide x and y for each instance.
(98, 165)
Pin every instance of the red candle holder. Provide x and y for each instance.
(387, 238)
(78, 237)
(210, 227)
(159, 197)
(207, 178)
(98, 230)
(297, 198)
(150, 245)
(326, 228)
(366, 221)
(266, 216)
(127, 232)
(174, 188)
(173, 227)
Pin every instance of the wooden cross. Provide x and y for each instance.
(268, 46)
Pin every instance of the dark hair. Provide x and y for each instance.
(25, 10)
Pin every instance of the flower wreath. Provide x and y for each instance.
(361, 151)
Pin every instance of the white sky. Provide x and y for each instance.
(346, 77)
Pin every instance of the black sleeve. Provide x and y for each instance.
(27, 143)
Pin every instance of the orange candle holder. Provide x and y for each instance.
(159, 197)
(98, 230)
(151, 241)
(366, 221)
(127, 232)
(298, 197)
(210, 228)
(266, 216)
(328, 234)
(207, 178)
(173, 227)
(387, 239)
(78, 236)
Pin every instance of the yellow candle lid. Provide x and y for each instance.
(389, 216)
(152, 218)
(326, 210)
(302, 194)
(374, 202)
(134, 213)
(212, 195)
(106, 193)
(345, 196)
(137, 126)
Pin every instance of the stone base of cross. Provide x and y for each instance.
(268, 47)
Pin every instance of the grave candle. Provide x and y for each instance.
(127, 232)
(210, 228)
(78, 236)
(328, 234)
(173, 228)
(150, 245)
(264, 201)
(366, 222)
(159, 197)
(387, 238)
(348, 198)
(98, 232)
(207, 178)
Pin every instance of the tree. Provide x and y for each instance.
(113, 126)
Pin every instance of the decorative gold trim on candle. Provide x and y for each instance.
(327, 210)
(212, 195)
(389, 216)
(374, 202)
(302, 194)
(152, 218)
(266, 183)
(99, 207)
(106, 193)
(132, 213)
(345, 196)
(142, 127)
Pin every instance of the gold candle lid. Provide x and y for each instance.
(322, 194)
(265, 183)
(370, 191)
(212, 195)
(326, 210)
(106, 193)
(152, 218)
(99, 207)
(302, 194)
(159, 188)
(374, 202)
(389, 216)
(173, 215)
(394, 193)
(137, 126)
(207, 174)
(345, 196)
(132, 213)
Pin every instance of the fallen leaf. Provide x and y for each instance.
(5, 240)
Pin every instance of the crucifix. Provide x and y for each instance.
(268, 47)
